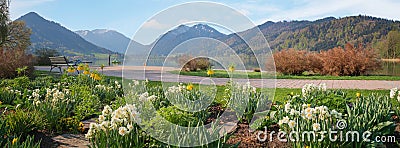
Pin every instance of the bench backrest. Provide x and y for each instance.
(58, 60)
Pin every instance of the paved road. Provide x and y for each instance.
(158, 74)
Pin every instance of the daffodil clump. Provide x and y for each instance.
(395, 94)
(296, 118)
(189, 99)
(311, 88)
(117, 128)
(301, 114)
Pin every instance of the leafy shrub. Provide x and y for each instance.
(22, 122)
(179, 117)
(350, 61)
(295, 62)
(17, 142)
(42, 56)
(373, 114)
(10, 60)
(189, 63)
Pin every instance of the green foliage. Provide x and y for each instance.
(42, 56)
(22, 122)
(29, 142)
(179, 117)
(389, 47)
(370, 113)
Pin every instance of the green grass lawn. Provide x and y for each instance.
(257, 75)
(280, 93)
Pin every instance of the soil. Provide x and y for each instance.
(249, 139)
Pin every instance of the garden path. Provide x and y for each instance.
(153, 73)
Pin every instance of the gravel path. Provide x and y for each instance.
(161, 74)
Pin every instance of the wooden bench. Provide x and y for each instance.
(60, 61)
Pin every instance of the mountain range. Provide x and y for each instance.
(308, 35)
(51, 35)
(109, 39)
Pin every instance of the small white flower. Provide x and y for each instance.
(130, 127)
(309, 116)
(285, 119)
(107, 110)
(122, 131)
(287, 107)
(280, 122)
(293, 112)
(292, 124)
(398, 97)
(393, 92)
(316, 126)
(101, 118)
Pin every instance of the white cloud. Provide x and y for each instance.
(261, 12)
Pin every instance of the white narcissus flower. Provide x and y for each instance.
(308, 110)
(304, 106)
(107, 110)
(287, 107)
(316, 126)
(130, 127)
(122, 131)
(393, 92)
(285, 119)
(309, 116)
(293, 112)
(292, 124)
(398, 97)
(101, 118)
(280, 122)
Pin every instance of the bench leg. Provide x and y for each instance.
(60, 69)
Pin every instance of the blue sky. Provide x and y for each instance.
(126, 16)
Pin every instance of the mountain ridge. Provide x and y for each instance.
(50, 34)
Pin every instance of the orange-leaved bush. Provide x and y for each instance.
(347, 61)
(295, 62)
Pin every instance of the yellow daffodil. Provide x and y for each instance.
(71, 70)
(1, 102)
(81, 127)
(358, 95)
(97, 77)
(189, 87)
(86, 72)
(210, 72)
(14, 140)
(92, 75)
(231, 68)
(80, 67)
(292, 93)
